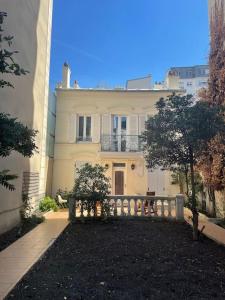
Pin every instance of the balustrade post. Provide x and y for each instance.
(95, 209)
(180, 207)
(122, 208)
(142, 207)
(135, 207)
(128, 206)
(149, 208)
(162, 208)
(155, 208)
(115, 208)
(169, 208)
(72, 207)
(82, 210)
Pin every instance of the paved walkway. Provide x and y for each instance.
(19, 257)
(211, 230)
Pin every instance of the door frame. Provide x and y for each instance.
(123, 169)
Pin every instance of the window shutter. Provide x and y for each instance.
(133, 125)
(72, 128)
(141, 125)
(132, 139)
(95, 128)
(106, 124)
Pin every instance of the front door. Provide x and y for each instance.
(119, 183)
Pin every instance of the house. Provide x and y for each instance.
(30, 22)
(104, 126)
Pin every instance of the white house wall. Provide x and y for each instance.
(101, 105)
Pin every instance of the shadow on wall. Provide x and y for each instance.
(22, 101)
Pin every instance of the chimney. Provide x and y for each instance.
(76, 85)
(66, 76)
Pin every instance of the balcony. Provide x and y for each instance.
(121, 143)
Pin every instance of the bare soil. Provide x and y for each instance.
(127, 259)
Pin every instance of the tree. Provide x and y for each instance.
(178, 135)
(14, 136)
(7, 62)
(212, 163)
(92, 186)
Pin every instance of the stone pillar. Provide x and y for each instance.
(72, 204)
(180, 207)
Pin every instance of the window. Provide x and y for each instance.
(84, 129)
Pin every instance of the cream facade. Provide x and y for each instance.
(103, 126)
(29, 21)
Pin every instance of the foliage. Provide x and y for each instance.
(14, 136)
(48, 204)
(183, 178)
(5, 177)
(92, 187)
(8, 64)
(26, 210)
(178, 135)
(212, 163)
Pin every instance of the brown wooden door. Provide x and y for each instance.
(119, 182)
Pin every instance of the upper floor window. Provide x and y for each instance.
(84, 128)
(119, 125)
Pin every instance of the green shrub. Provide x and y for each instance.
(91, 188)
(47, 204)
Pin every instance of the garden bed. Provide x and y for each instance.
(9, 237)
(135, 259)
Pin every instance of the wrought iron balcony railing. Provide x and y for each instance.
(121, 143)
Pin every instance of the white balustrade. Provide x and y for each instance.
(135, 206)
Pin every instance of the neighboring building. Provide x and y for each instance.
(139, 83)
(190, 79)
(103, 126)
(50, 142)
(29, 21)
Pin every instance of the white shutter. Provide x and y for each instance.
(95, 128)
(72, 128)
(141, 125)
(132, 139)
(133, 125)
(106, 124)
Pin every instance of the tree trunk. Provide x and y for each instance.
(211, 193)
(193, 199)
(186, 180)
(181, 183)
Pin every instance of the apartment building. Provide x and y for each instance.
(30, 24)
(191, 79)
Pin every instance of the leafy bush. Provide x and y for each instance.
(48, 204)
(92, 188)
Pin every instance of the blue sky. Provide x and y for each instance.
(110, 41)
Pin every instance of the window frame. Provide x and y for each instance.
(84, 138)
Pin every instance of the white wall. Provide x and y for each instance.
(29, 21)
